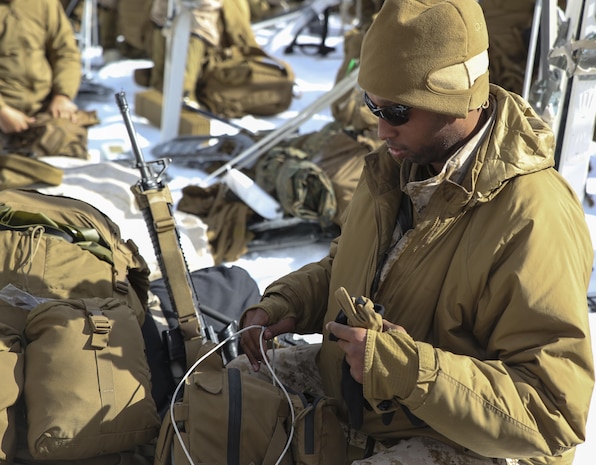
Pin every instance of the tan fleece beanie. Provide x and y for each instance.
(427, 54)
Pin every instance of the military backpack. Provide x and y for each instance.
(75, 380)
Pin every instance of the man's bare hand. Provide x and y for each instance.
(63, 107)
(250, 340)
(353, 342)
(13, 120)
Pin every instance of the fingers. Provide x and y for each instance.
(346, 332)
(343, 332)
(352, 341)
(251, 345)
(253, 340)
(65, 113)
(62, 107)
(250, 340)
(13, 120)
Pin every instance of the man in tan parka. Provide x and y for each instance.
(475, 246)
(40, 69)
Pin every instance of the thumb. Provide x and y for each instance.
(388, 326)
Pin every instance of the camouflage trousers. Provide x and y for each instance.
(296, 367)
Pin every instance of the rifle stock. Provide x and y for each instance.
(154, 199)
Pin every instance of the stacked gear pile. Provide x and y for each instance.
(314, 175)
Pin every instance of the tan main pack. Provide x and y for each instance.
(72, 301)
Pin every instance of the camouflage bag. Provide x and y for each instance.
(225, 416)
(239, 78)
(303, 189)
(228, 415)
(11, 372)
(87, 383)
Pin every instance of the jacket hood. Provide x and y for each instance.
(520, 143)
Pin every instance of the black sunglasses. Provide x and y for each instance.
(395, 115)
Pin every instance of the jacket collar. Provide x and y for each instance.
(519, 143)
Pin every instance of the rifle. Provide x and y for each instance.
(154, 199)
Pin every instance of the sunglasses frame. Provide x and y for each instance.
(395, 115)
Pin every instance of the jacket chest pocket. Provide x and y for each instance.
(10, 40)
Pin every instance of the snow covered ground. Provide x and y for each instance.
(107, 178)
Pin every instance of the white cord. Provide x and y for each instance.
(283, 388)
(201, 359)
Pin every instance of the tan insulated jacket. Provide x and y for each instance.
(204, 20)
(38, 54)
(491, 285)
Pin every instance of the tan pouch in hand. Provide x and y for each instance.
(360, 311)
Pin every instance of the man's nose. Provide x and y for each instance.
(385, 130)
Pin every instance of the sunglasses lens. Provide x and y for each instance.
(395, 115)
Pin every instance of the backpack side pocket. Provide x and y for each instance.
(87, 381)
(11, 373)
(319, 438)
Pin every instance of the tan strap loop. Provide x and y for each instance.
(101, 328)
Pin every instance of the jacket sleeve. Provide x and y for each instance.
(528, 395)
(302, 294)
(62, 52)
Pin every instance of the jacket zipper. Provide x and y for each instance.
(405, 220)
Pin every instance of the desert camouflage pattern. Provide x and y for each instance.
(296, 367)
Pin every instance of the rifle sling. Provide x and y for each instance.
(185, 303)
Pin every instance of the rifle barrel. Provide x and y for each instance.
(149, 180)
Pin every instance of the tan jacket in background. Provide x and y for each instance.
(39, 56)
(204, 21)
(491, 285)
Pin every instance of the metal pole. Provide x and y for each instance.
(177, 34)
(270, 140)
(532, 49)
